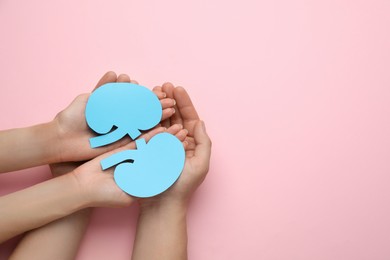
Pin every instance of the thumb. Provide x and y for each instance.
(203, 143)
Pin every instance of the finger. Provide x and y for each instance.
(123, 78)
(167, 103)
(147, 136)
(127, 143)
(174, 129)
(134, 81)
(182, 134)
(166, 114)
(190, 145)
(158, 89)
(168, 89)
(159, 93)
(176, 118)
(110, 76)
(203, 144)
(186, 109)
(178, 131)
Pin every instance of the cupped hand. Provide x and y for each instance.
(98, 187)
(197, 145)
(74, 133)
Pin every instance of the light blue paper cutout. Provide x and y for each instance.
(156, 165)
(117, 109)
(126, 155)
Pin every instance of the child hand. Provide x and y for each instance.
(99, 187)
(74, 134)
(61, 168)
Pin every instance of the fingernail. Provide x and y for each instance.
(164, 94)
(186, 131)
(180, 125)
(173, 110)
(174, 102)
(203, 126)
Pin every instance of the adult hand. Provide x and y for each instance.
(197, 145)
(162, 227)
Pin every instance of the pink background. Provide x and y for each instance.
(295, 95)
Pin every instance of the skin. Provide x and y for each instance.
(86, 186)
(162, 228)
(64, 139)
(65, 234)
(161, 231)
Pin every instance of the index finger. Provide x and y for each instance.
(186, 108)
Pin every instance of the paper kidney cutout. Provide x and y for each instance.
(155, 165)
(117, 109)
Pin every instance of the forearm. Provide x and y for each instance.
(63, 235)
(38, 205)
(161, 233)
(28, 147)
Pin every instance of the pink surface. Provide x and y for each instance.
(295, 95)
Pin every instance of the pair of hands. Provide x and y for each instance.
(98, 187)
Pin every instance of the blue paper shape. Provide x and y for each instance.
(117, 109)
(154, 168)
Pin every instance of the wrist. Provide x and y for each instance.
(84, 195)
(28, 147)
(39, 204)
(157, 206)
(45, 141)
(57, 142)
(72, 193)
